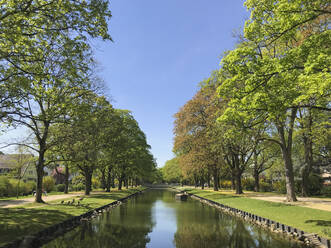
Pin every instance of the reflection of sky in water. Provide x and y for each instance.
(163, 232)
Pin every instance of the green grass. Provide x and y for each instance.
(306, 219)
(33, 217)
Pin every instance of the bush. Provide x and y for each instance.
(279, 186)
(5, 186)
(226, 184)
(8, 187)
(78, 187)
(95, 183)
(326, 191)
(248, 184)
(315, 184)
(48, 183)
(265, 186)
(60, 187)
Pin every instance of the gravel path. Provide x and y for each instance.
(19, 202)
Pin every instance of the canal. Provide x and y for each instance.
(155, 219)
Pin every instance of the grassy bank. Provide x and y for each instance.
(30, 218)
(306, 219)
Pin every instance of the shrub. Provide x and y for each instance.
(60, 187)
(326, 191)
(279, 186)
(95, 183)
(265, 186)
(226, 184)
(5, 186)
(248, 183)
(78, 187)
(48, 183)
(8, 187)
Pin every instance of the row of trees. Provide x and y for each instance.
(270, 100)
(48, 85)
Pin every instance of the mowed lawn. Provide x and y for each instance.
(307, 219)
(31, 218)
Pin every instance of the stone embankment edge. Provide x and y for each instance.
(307, 238)
(44, 236)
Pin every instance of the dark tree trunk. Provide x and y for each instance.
(202, 183)
(88, 182)
(120, 180)
(216, 179)
(113, 181)
(40, 174)
(66, 179)
(239, 189)
(286, 147)
(233, 182)
(126, 183)
(108, 183)
(103, 179)
(208, 180)
(39, 190)
(196, 181)
(257, 180)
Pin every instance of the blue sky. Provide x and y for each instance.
(161, 51)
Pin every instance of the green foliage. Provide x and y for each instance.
(326, 191)
(60, 187)
(48, 183)
(226, 184)
(95, 183)
(172, 172)
(279, 186)
(248, 183)
(265, 187)
(8, 187)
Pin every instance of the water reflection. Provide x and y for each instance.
(155, 220)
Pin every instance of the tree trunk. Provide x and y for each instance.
(40, 174)
(127, 183)
(216, 179)
(66, 179)
(208, 180)
(120, 183)
(257, 180)
(202, 183)
(239, 189)
(88, 182)
(289, 176)
(103, 179)
(108, 183)
(233, 182)
(286, 147)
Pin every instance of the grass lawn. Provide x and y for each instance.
(29, 196)
(306, 219)
(33, 217)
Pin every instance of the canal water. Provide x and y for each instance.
(155, 219)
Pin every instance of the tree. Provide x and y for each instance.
(171, 171)
(45, 62)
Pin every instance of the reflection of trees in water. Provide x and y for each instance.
(127, 226)
(208, 227)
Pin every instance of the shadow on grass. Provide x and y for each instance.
(16, 222)
(320, 222)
